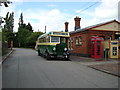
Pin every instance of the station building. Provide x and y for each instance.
(96, 40)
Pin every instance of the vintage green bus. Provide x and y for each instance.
(53, 45)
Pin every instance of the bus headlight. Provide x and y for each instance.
(54, 49)
(65, 49)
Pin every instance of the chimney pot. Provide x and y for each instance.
(66, 26)
(77, 22)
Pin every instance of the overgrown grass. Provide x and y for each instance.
(4, 52)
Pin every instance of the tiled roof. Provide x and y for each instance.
(93, 26)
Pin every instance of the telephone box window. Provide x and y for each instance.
(98, 47)
(92, 47)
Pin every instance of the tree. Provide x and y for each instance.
(31, 40)
(6, 21)
(9, 22)
(20, 21)
(5, 2)
(7, 31)
(29, 27)
(22, 37)
(25, 37)
(3, 35)
(24, 31)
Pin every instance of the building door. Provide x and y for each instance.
(114, 49)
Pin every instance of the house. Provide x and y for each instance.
(80, 38)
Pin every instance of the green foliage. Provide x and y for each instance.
(9, 22)
(22, 37)
(7, 31)
(31, 40)
(25, 37)
(4, 38)
(29, 27)
(24, 31)
(20, 20)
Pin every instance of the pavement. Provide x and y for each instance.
(110, 66)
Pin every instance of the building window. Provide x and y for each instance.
(71, 44)
(80, 40)
(108, 38)
(77, 40)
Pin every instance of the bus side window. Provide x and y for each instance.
(43, 40)
(48, 39)
(39, 40)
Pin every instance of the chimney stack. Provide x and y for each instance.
(77, 22)
(66, 26)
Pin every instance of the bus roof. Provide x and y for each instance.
(55, 33)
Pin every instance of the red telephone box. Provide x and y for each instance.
(96, 47)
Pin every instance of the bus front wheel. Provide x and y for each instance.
(66, 58)
(47, 56)
(39, 54)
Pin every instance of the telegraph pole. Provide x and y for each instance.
(45, 29)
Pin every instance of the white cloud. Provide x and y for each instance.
(106, 11)
(54, 19)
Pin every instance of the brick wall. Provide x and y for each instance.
(84, 49)
(80, 49)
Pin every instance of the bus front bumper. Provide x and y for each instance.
(65, 55)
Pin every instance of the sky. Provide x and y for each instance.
(53, 14)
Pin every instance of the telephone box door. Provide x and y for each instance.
(96, 47)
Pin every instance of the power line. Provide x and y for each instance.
(85, 9)
(84, 5)
(88, 7)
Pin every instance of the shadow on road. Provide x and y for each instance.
(55, 59)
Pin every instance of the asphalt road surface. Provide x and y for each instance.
(24, 69)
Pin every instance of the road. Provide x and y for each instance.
(24, 69)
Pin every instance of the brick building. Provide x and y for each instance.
(80, 39)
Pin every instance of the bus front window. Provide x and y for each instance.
(55, 39)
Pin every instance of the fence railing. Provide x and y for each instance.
(4, 48)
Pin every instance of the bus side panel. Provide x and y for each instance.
(50, 49)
